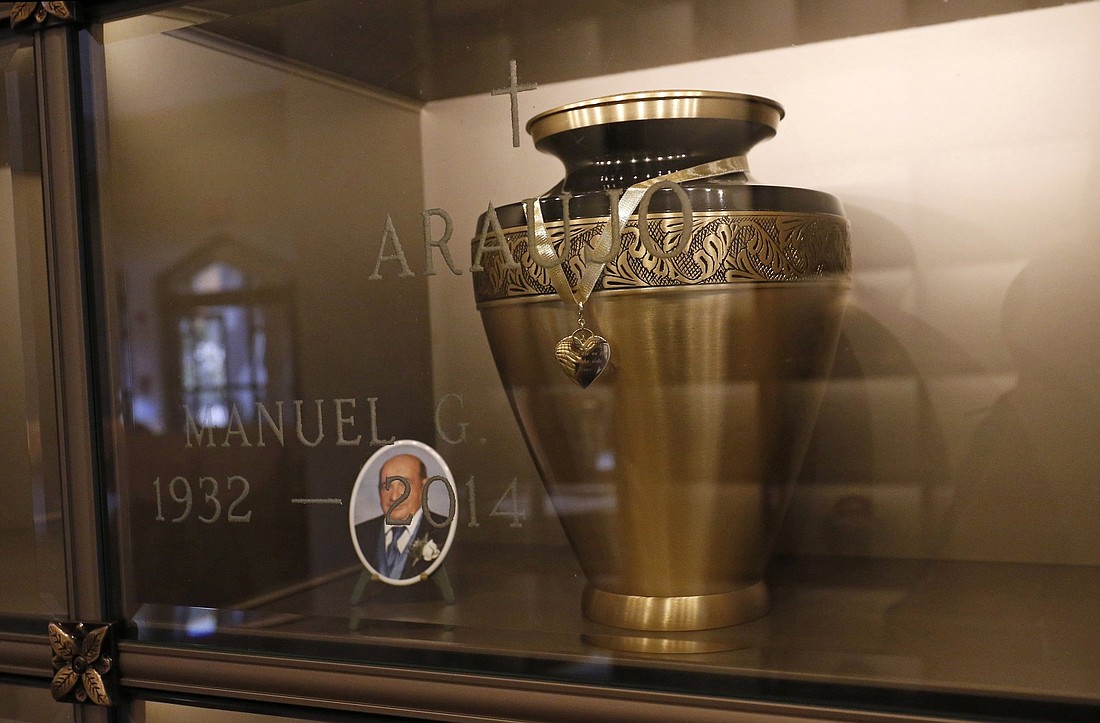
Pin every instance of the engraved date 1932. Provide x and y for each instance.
(207, 494)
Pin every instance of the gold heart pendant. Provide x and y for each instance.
(583, 356)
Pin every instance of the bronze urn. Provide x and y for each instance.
(720, 299)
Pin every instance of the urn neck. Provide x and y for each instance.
(618, 141)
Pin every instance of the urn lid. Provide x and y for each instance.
(657, 105)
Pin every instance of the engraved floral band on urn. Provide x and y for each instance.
(695, 314)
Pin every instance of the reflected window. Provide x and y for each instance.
(228, 315)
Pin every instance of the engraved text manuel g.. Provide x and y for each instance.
(307, 422)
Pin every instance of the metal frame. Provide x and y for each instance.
(25, 655)
(57, 62)
(442, 695)
(56, 56)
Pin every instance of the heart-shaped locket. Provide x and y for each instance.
(583, 356)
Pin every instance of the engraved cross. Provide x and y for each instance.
(514, 89)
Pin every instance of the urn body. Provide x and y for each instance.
(721, 300)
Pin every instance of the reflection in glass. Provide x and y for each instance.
(231, 310)
(220, 344)
(33, 565)
(258, 366)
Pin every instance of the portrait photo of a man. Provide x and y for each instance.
(405, 538)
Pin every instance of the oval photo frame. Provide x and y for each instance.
(366, 508)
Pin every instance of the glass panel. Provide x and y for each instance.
(31, 536)
(27, 704)
(320, 386)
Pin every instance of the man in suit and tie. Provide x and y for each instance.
(407, 537)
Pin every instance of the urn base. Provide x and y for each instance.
(747, 636)
(685, 612)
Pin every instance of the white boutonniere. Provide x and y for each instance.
(425, 549)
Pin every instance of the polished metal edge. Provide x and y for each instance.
(55, 63)
(662, 215)
(743, 284)
(653, 105)
(676, 613)
(442, 695)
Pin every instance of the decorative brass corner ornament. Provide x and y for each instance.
(41, 15)
(83, 663)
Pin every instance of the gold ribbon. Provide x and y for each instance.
(543, 246)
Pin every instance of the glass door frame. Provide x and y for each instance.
(70, 77)
(70, 74)
(67, 201)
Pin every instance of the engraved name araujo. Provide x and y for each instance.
(491, 237)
